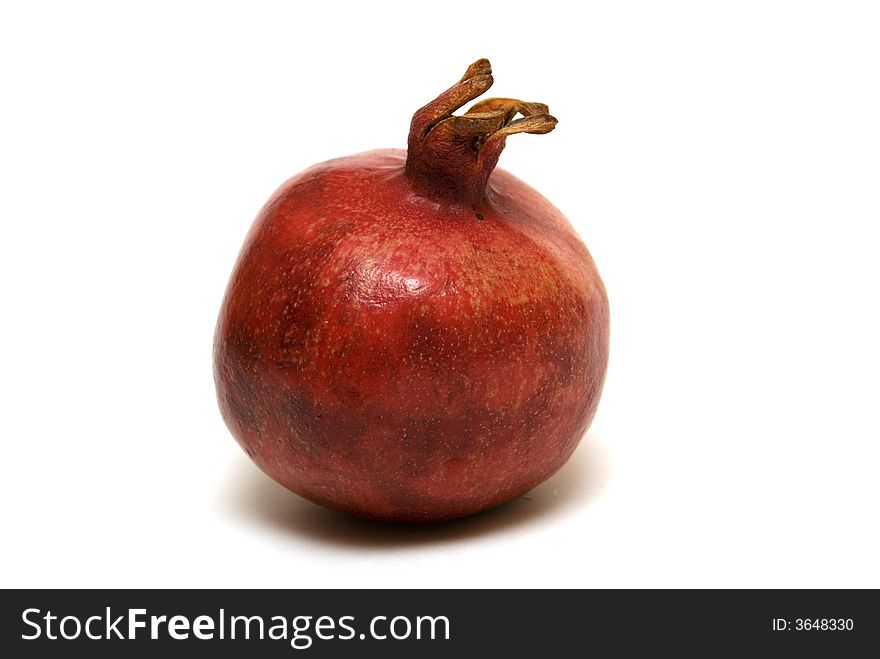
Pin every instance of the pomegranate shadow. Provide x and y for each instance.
(254, 497)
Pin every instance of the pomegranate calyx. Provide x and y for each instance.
(451, 155)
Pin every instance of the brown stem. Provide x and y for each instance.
(452, 156)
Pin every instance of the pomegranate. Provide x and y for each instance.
(414, 335)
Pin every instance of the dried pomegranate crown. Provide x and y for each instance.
(453, 156)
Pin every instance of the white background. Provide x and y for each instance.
(720, 160)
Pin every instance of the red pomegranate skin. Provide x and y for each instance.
(407, 357)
